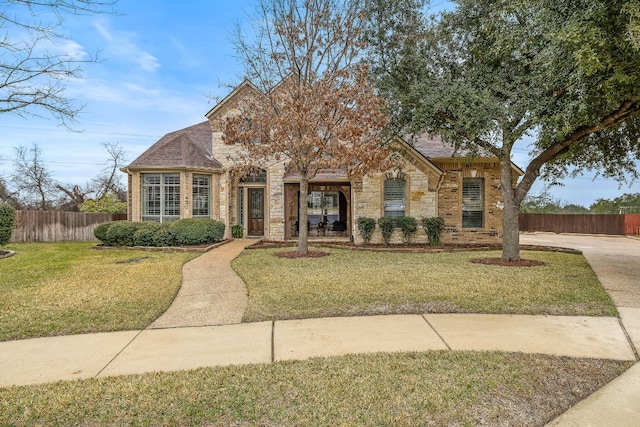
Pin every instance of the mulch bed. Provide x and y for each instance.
(6, 254)
(504, 263)
(295, 254)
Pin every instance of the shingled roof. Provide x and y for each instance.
(186, 148)
(433, 147)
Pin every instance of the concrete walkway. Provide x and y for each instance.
(211, 292)
(202, 329)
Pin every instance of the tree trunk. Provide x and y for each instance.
(510, 220)
(303, 229)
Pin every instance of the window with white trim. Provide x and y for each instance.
(201, 196)
(394, 197)
(160, 197)
(472, 203)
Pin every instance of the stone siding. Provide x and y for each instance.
(450, 201)
(420, 200)
(228, 199)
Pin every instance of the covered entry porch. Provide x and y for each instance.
(328, 207)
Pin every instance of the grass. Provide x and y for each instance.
(366, 282)
(409, 389)
(53, 289)
(68, 288)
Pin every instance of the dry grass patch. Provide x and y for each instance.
(409, 389)
(67, 288)
(350, 283)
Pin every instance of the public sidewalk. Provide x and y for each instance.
(97, 355)
(189, 336)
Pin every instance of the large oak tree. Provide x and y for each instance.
(315, 108)
(490, 73)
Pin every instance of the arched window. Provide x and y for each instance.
(394, 197)
(254, 176)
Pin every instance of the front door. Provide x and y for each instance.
(256, 212)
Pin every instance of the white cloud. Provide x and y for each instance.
(121, 44)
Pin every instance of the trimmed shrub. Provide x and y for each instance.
(7, 222)
(100, 231)
(236, 231)
(121, 233)
(197, 231)
(191, 231)
(434, 227)
(409, 227)
(386, 225)
(366, 227)
(163, 236)
(145, 235)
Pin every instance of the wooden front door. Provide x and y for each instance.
(256, 212)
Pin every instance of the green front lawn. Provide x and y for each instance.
(68, 288)
(402, 389)
(63, 288)
(350, 282)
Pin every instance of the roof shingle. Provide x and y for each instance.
(189, 148)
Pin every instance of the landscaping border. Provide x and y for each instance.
(197, 248)
(415, 248)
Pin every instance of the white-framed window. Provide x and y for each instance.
(472, 203)
(160, 197)
(394, 197)
(201, 196)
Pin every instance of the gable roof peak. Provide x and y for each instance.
(186, 148)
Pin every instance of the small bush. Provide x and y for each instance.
(366, 227)
(120, 233)
(409, 227)
(434, 228)
(7, 222)
(236, 231)
(386, 225)
(197, 231)
(100, 231)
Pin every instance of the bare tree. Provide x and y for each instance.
(109, 180)
(71, 196)
(35, 62)
(105, 183)
(314, 107)
(31, 180)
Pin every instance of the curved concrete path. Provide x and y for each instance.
(211, 292)
(186, 337)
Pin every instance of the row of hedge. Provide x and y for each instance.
(409, 226)
(183, 232)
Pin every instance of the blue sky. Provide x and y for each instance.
(164, 62)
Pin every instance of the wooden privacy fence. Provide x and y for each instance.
(632, 224)
(612, 224)
(58, 226)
